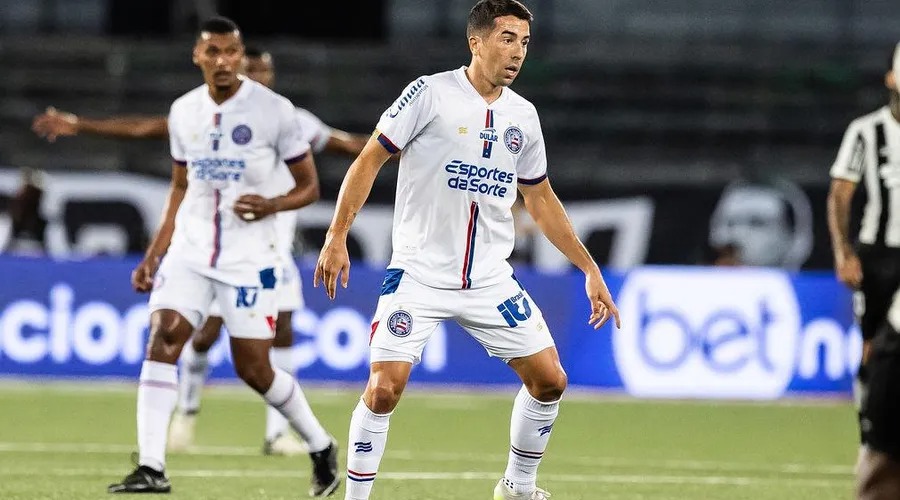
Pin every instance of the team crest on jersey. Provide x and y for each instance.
(513, 138)
(400, 323)
(241, 134)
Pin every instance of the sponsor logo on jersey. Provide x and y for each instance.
(490, 181)
(513, 138)
(400, 323)
(218, 169)
(241, 134)
(412, 93)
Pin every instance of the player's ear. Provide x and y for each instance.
(195, 55)
(474, 44)
(890, 81)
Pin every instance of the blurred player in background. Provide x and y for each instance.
(870, 152)
(468, 143)
(259, 66)
(218, 242)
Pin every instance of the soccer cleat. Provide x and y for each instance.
(285, 444)
(503, 491)
(181, 431)
(142, 480)
(324, 481)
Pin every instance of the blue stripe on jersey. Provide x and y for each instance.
(392, 149)
(532, 182)
(391, 281)
(296, 158)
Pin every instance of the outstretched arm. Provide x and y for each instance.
(345, 143)
(548, 213)
(54, 123)
(334, 261)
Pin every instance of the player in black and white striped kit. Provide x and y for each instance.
(870, 153)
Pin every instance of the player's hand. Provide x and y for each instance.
(333, 263)
(142, 276)
(251, 207)
(849, 270)
(53, 123)
(602, 305)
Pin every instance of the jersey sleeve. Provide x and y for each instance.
(176, 147)
(315, 132)
(289, 141)
(851, 158)
(532, 165)
(407, 116)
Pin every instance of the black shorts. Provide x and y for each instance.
(880, 412)
(880, 283)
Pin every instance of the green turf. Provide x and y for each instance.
(67, 441)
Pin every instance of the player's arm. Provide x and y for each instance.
(846, 172)
(846, 262)
(53, 123)
(305, 191)
(142, 276)
(334, 260)
(548, 213)
(342, 142)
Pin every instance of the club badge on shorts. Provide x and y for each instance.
(400, 323)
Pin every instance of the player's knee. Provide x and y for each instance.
(550, 388)
(258, 376)
(383, 396)
(168, 332)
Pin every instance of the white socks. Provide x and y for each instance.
(286, 396)
(275, 422)
(368, 438)
(194, 370)
(157, 394)
(529, 433)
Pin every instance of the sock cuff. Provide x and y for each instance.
(371, 421)
(192, 359)
(282, 388)
(283, 357)
(540, 408)
(160, 373)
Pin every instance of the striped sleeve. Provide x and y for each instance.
(851, 158)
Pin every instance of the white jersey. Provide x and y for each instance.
(230, 150)
(462, 160)
(316, 133)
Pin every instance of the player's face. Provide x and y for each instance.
(260, 69)
(503, 50)
(219, 56)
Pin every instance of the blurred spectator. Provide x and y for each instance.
(27, 232)
(765, 223)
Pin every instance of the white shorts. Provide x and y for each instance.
(503, 318)
(288, 290)
(246, 303)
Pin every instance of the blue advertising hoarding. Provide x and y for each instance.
(686, 332)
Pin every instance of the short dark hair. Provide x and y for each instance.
(482, 15)
(255, 51)
(218, 25)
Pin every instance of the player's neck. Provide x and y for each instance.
(220, 95)
(894, 105)
(487, 90)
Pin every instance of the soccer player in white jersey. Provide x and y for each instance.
(468, 142)
(259, 66)
(219, 242)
